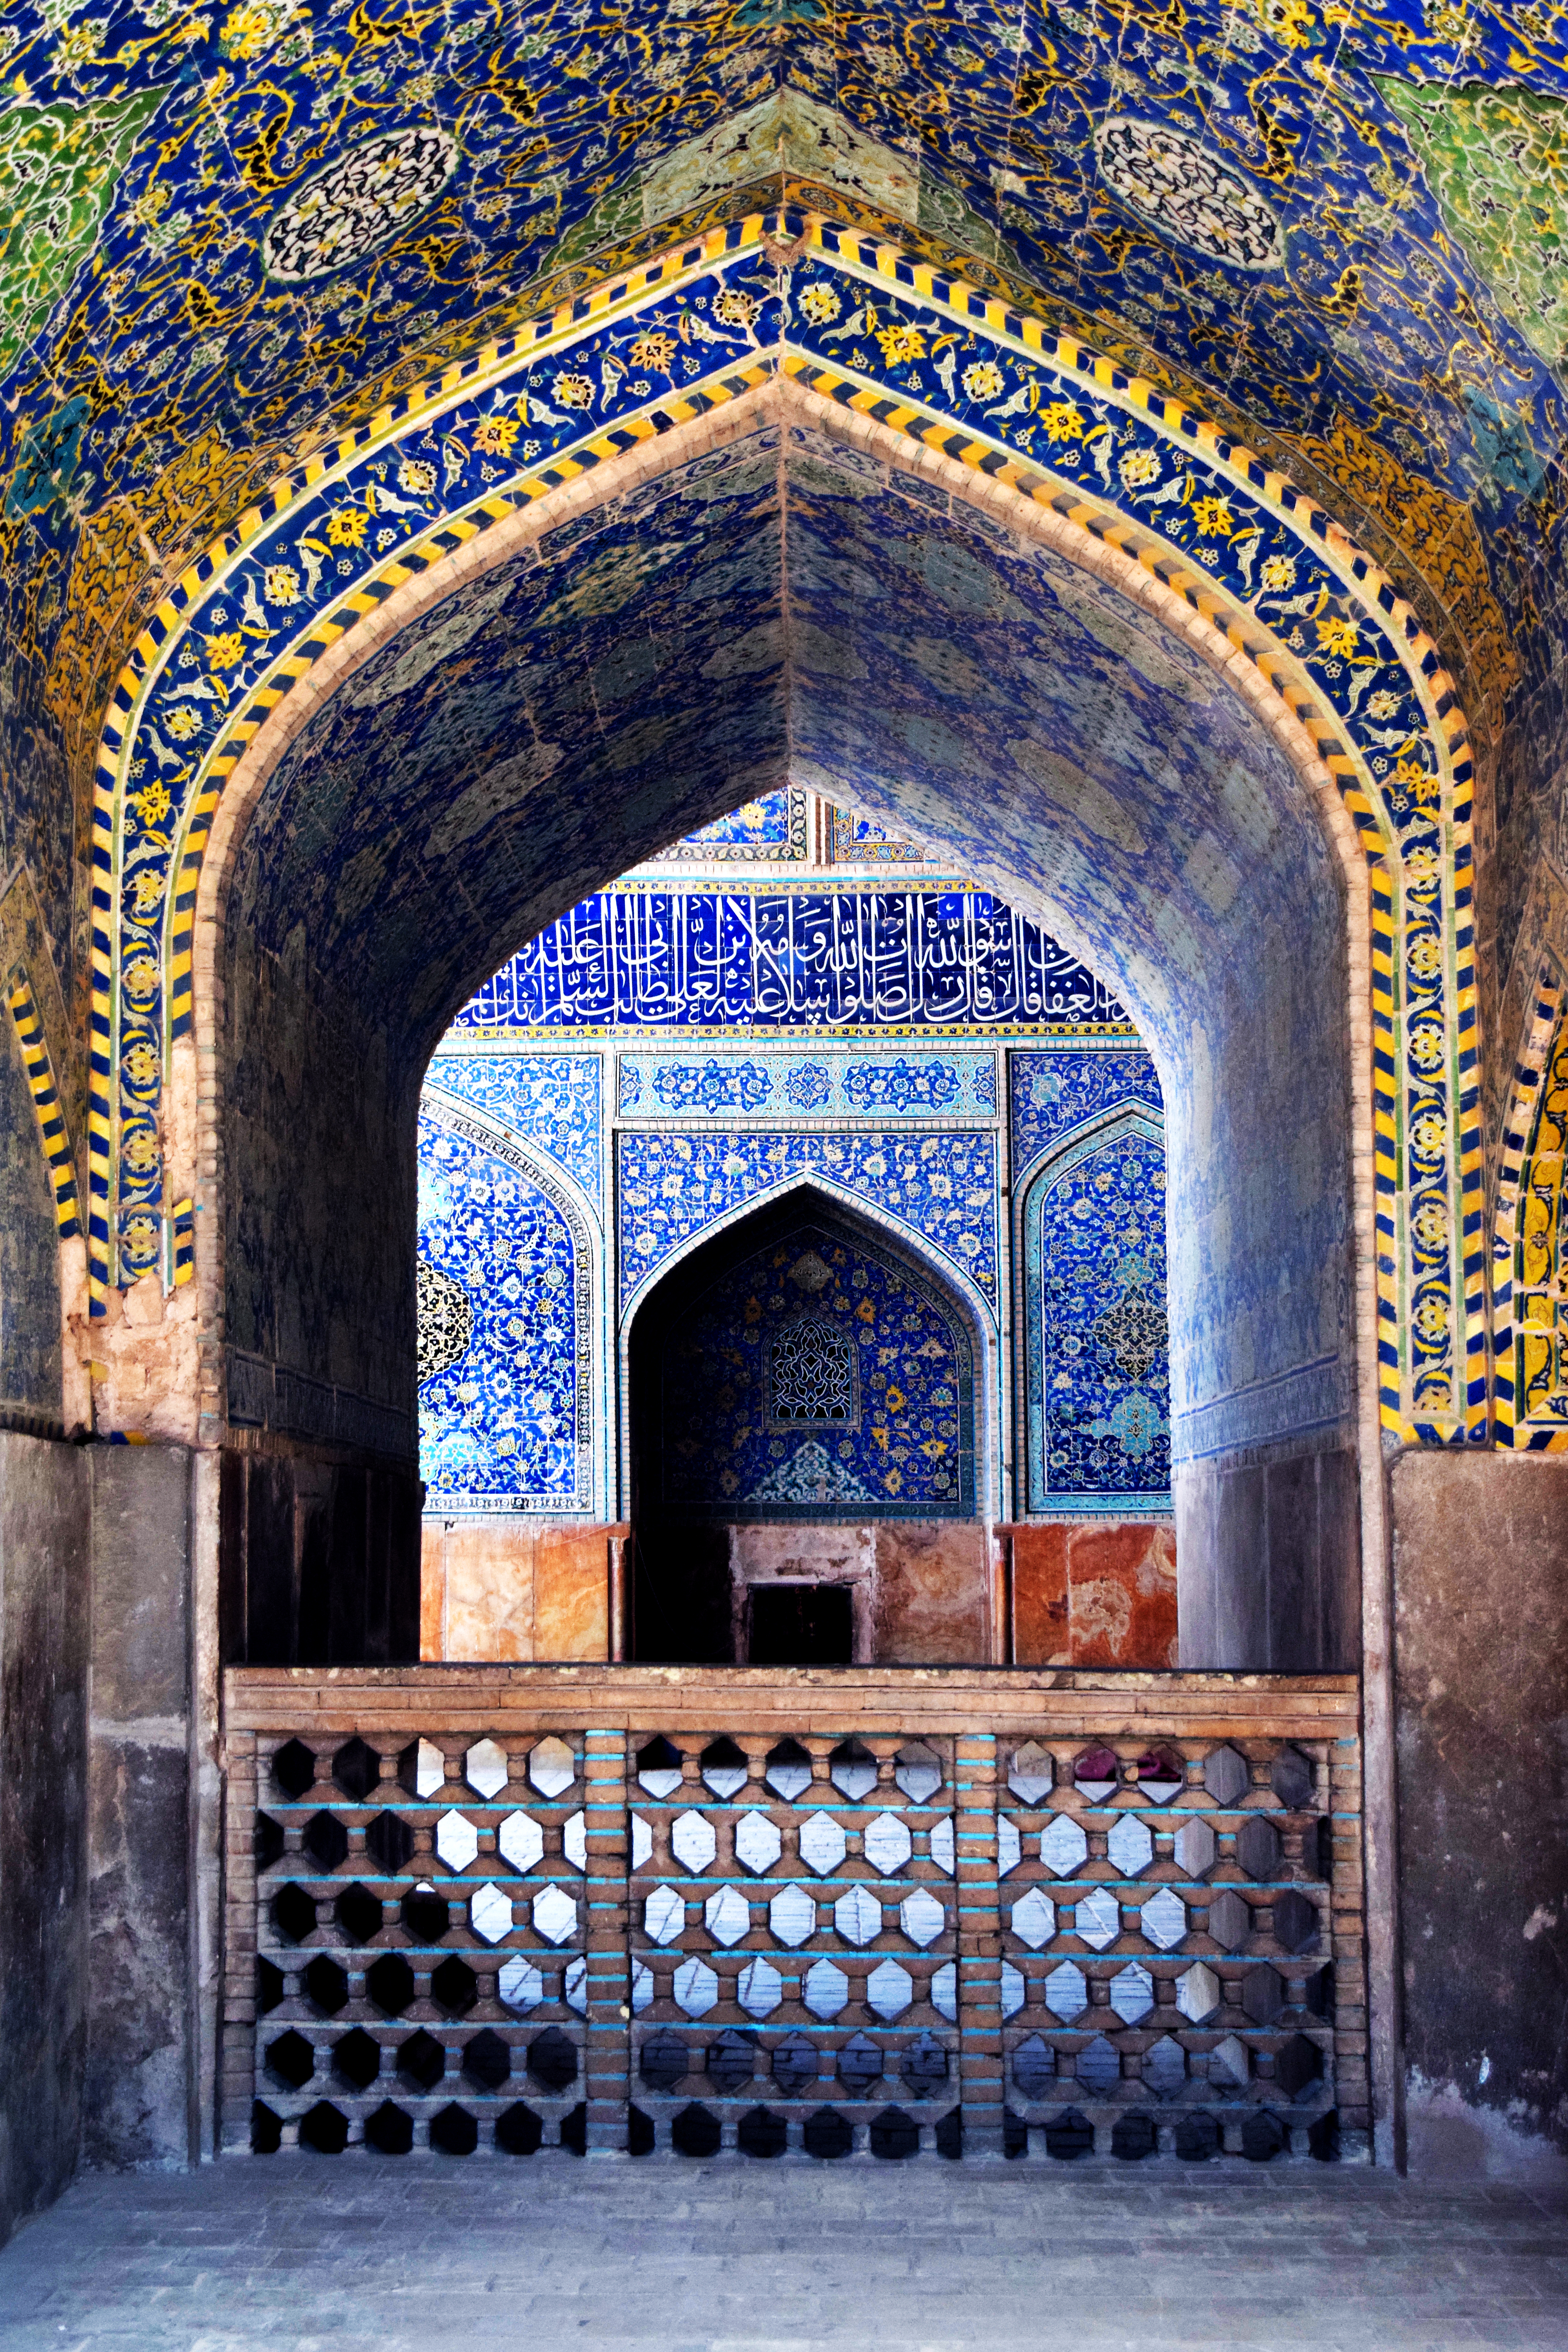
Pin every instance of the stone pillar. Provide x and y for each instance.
(979, 1945)
(1480, 1653)
(142, 2069)
(43, 1625)
(608, 2041)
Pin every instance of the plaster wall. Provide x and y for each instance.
(318, 1207)
(1270, 1547)
(43, 1634)
(1480, 1565)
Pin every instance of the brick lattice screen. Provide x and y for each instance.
(932, 1911)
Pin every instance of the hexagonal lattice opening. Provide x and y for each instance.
(485, 1768)
(389, 2130)
(852, 1768)
(693, 1841)
(727, 1916)
(554, 1915)
(421, 1768)
(356, 1769)
(731, 2061)
(759, 1988)
(1132, 1992)
(886, 1844)
(1198, 1993)
(291, 2058)
(487, 2060)
(268, 1842)
(828, 2134)
(266, 2129)
(519, 1984)
(1129, 1844)
(857, 1916)
(1164, 2067)
(552, 1768)
(823, 1844)
(294, 1768)
(923, 2065)
(664, 2060)
(1295, 1923)
(860, 2066)
(1263, 2137)
(1097, 1917)
(1034, 1919)
(788, 1773)
(1069, 2134)
(1230, 2063)
(1065, 1992)
(358, 1913)
(795, 2066)
(695, 2131)
(326, 1841)
(1262, 1994)
(1196, 2137)
(659, 1767)
(758, 1843)
(1133, 2137)
(1064, 1845)
(1194, 1848)
(760, 2132)
(389, 1981)
(1032, 1774)
(724, 1768)
(1162, 1773)
(916, 1770)
(389, 1842)
(922, 1917)
(453, 1988)
(1165, 1919)
(422, 2060)
(325, 2128)
(1227, 1776)
(268, 1985)
(490, 1912)
(1298, 2066)
(573, 2131)
(894, 2136)
(518, 2130)
(454, 2131)
(325, 1985)
(1257, 1847)
(456, 1841)
(425, 1915)
(553, 2061)
(889, 1990)
(1099, 2067)
(695, 1988)
(294, 1912)
(1229, 1920)
(1034, 2067)
(356, 2059)
(1291, 1778)
(825, 1989)
(1097, 1771)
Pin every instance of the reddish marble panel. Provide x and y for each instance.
(1122, 1596)
(1040, 1631)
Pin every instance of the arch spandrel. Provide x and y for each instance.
(1351, 672)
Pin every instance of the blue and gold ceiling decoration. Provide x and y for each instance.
(243, 239)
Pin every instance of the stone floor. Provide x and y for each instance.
(377, 2255)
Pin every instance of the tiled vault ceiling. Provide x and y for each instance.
(454, 795)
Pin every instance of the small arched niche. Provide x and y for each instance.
(804, 1392)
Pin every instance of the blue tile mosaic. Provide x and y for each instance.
(1053, 1093)
(705, 959)
(824, 1083)
(819, 1378)
(1097, 1361)
(550, 1101)
(771, 829)
(942, 1187)
(503, 1331)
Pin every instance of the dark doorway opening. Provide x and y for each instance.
(801, 1625)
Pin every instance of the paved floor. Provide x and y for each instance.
(378, 2255)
